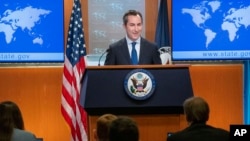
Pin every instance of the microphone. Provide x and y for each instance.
(106, 51)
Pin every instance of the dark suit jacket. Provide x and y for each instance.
(118, 53)
(200, 132)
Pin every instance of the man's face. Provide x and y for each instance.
(133, 27)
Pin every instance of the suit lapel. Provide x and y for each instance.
(125, 51)
(142, 50)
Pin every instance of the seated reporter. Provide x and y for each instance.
(196, 110)
(12, 125)
(123, 129)
(101, 133)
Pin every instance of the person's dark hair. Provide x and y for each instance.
(129, 13)
(123, 129)
(196, 110)
(16, 114)
(102, 126)
(10, 118)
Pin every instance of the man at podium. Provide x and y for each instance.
(132, 49)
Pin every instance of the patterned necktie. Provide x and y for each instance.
(134, 54)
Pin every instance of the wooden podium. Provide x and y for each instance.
(103, 92)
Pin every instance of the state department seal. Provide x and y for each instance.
(139, 84)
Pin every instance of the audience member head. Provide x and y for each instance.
(15, 114)
(102, 127)
(196, 110)
(10, 118)
(124, 129)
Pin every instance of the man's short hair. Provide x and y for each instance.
(196, 109)
(129, 13)
(124, 129)
(102, 126)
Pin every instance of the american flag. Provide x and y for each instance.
(74, 69)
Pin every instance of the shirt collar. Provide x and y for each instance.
(129, 41)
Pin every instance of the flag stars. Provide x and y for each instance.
(75, 42)
(82, 51)
(76, 52)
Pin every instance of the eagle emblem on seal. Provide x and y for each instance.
(138, 86)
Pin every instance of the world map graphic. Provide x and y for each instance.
(31, 31)
(223, 24)
(25, 19)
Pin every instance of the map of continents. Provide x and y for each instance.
(25, 18)
(235, 17)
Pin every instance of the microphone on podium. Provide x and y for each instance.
(106, 51)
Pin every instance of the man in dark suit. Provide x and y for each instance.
(120, 52)
(196, 111)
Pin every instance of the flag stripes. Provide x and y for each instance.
(74, 68)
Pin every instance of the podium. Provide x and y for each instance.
(103, 90)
